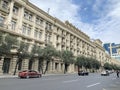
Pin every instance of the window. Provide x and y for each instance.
(28, 15)
(2, 21)
(39, 20)
(40, 34)
(4, 4)
(28, 31)
(13, 25)
(24, 29)
(35, 33)
(15, 10)
(48, 26)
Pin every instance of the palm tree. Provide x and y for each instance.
(68, 58)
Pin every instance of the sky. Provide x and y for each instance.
(99, 19)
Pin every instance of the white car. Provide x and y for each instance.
(104, 73)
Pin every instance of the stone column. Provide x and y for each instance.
(25, 64)
(59, 67)
(1, 65)
(19, 23)
(13, 65)
(35, 66)
(51, 67)
(10, 15)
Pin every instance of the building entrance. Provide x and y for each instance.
(6, 65)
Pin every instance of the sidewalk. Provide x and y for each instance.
(8, 76)
(16, 76)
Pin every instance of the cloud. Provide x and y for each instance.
(106, 27)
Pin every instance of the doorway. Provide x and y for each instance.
(6, 65)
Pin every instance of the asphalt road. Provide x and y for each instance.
(63, 82)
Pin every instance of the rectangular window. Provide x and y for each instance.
(28, 15)
(28, 31)
(2, 21)
(5, 4)
(24, 30)
(15, 10)
(40, 34)
(35, 33)
(39, 20)
(13, 25)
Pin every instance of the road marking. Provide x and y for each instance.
(93, 85)
(70, 81)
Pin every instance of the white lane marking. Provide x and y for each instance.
(70, 81)
(93, 85)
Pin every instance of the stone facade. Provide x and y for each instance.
(32, 25)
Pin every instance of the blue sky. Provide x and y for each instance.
(99, 19)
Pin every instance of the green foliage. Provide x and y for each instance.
(67, 57)
(49, 52)
(23, 50)
(107, 66)
(6, 43)
(82, 61)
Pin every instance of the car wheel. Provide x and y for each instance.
(27, 77)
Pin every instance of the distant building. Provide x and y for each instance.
(112, 49)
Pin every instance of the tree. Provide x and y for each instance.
(22, 52)
(107, 66)
(37, 51)
(6, 43)
(68, 58)
(87, 62)
(48, 53)
(80, 62)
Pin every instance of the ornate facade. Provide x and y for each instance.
(34, 26)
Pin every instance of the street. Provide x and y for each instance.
(63, 82)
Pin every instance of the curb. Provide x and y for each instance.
(10, 76)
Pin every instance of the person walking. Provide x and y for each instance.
(117, 72)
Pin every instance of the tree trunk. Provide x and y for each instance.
(15, 68)
(46, 67)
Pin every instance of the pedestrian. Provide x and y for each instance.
(117, 72)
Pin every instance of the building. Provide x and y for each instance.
(112, 49)
(32, 25)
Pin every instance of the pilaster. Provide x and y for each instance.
(25, 64)
(1, 65)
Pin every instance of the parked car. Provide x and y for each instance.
(29, 74)
(83, 73)
(105, 73)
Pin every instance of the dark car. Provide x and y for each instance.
(29, 74)
(83, 73)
